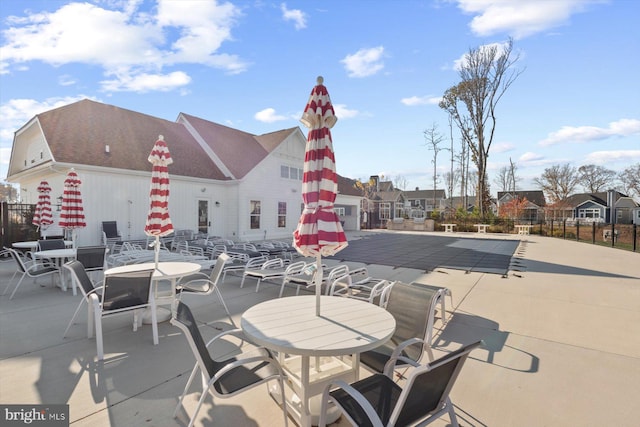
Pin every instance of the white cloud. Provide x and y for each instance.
(529, 157)
(342, 112)
(580, 134)
(365, 62)
(421, 100)
(268, 115)
(520, 18)
(125, 42)
(146, 82)
(502, 147)
(606, 157)
(66, 80)
(298, 17)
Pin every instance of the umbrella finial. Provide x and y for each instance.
(320, 80)
(161, 138)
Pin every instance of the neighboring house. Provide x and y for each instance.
(457, 202)
(224, 181)
(532, 211)
(388, 202)
(602, 207)
(422, 203)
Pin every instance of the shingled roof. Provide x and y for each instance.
(79, 132)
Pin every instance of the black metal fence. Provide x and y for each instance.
(16, 223)
(621, 236)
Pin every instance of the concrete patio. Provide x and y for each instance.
(562, 333)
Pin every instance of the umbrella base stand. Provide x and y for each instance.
(163, 314)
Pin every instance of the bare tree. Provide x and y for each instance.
(596, 178)
(485, 75)
(558, 182)
(630, 178)
(400, 182)
(434, 138)
(506, 179)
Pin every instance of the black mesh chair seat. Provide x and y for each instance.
(28, 268)
(423, 399)
(256, 366)
(413, 308)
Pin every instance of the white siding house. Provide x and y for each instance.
(218, 176)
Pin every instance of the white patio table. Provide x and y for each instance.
(170, 271)
(289, 326)
(58, 256)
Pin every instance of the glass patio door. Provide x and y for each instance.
(203, 216)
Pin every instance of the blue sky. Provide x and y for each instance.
(251, 65)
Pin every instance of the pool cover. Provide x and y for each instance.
(426, 252)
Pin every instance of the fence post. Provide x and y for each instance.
(613, 234)
(593, 232)
(564, 229)
(635, 235)
(577, 230)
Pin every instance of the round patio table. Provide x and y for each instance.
(290, 326)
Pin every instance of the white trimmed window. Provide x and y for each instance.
(254, 216)
(385, 210)
(589, 213)
(282, 214)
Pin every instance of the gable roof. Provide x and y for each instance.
(425, 194)
(534, 196)
(347, 186)
(78, 133)
(239, 151)
(600, 198)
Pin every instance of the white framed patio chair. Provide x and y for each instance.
(357, 284)
(121, 293)
(29, 268)
(328, 276)
(224, 378)
(379, 401)
(93, 259)
(201, 284)
(240, 262)
(270, 270)
(413, 306)
(293, 270)
(81, 279)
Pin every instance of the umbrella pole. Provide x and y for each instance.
(157, 250)
(318, 282)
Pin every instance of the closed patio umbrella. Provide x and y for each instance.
(158, 221)
(71, 211)
(319, 230)
(42, 216)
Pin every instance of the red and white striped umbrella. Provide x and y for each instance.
(319, 230)
(71, 211)
(158, 221)
(42, 216)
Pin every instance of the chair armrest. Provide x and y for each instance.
(396, 355)
(241, 362)
(237, 332)
(357, 396)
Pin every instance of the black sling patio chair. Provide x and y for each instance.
(224, 378)
(379, 401)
